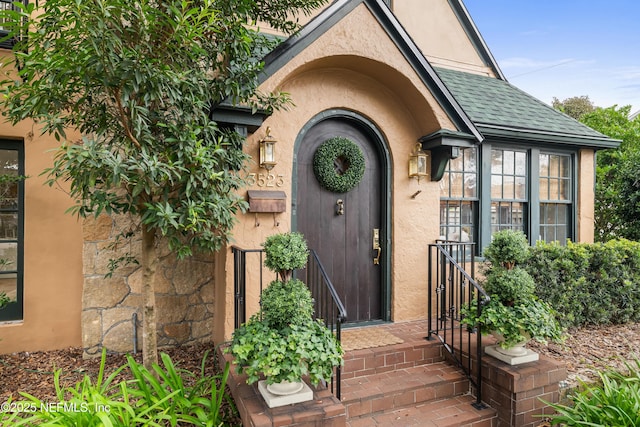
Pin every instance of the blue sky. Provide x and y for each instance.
(565, 48)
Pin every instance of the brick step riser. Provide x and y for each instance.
(364, 407)
(366, 362)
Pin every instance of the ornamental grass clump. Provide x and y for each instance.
(614, 401)
(514, 313)
(282, 342)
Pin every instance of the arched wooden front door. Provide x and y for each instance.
(341, 227)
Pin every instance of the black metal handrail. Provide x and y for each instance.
(327, 303)
(452, 267)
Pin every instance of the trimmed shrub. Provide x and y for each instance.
(589, 283)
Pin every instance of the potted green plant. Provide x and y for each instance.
(514, 315)
(282, 342)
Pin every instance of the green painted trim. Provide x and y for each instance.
(242, 116)
(15, 310)
(541, 138)
(385, 198)
(294, 45)
(533, 190)
(442, 145)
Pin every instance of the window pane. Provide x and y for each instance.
(456, 164)
(544, 189)
(8, 184)
(508, 187)
(8, 226)
(554, 165)
(521, 163)
(456, 185)
(496, 161)
(470, 159)
(554, 222)
(470, 188)
(444, 185)
(521, 188)
(509, 163)
(565, 166)
(457, 220)
(544, 165)
(496, 187)
(565, 190)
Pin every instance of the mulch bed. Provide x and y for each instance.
(585, 352)
(32, 372)
(594, 349)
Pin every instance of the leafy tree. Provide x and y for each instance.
(139, 81)
(617, 206)
(575, 107)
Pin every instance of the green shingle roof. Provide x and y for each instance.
(494, 104)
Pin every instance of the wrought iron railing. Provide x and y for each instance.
(328, 306)
(452, 269)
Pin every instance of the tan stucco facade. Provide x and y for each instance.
(354, 66)
(52, 256)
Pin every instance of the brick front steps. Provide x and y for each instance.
(411, 384)
(407, 384)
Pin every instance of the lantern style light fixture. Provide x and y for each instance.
(268, 151)
(418, 163)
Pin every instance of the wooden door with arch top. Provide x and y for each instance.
(344, 225)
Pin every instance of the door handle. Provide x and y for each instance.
(376, 246)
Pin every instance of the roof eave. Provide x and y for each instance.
(529, 135)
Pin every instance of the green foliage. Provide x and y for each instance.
(589, 283)
(575, 107)
(165, 396)
(509, 287)
(533, 319)
(617, 212)
(514, 312)
(345, 153)
(4, 299)
(282, 341)
(507, 248)
(287, 354)
(285, 252)
(286, 303)
(613, 402)
(139, 80)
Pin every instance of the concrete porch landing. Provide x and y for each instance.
(406, 383)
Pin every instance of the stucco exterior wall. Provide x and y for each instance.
(436, 30)
(52, 255)
(372, 78)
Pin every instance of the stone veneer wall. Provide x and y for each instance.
(184, 293)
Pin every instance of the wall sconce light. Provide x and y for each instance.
(268, 151)
(418, 163)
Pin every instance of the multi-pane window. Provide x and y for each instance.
(492, 188)
(508, 190)
(11, 212)
(459, 198)
(555, 190)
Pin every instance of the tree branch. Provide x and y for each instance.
(124, 121)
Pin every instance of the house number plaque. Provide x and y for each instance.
(265, 179)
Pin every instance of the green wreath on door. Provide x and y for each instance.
(338, 164)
